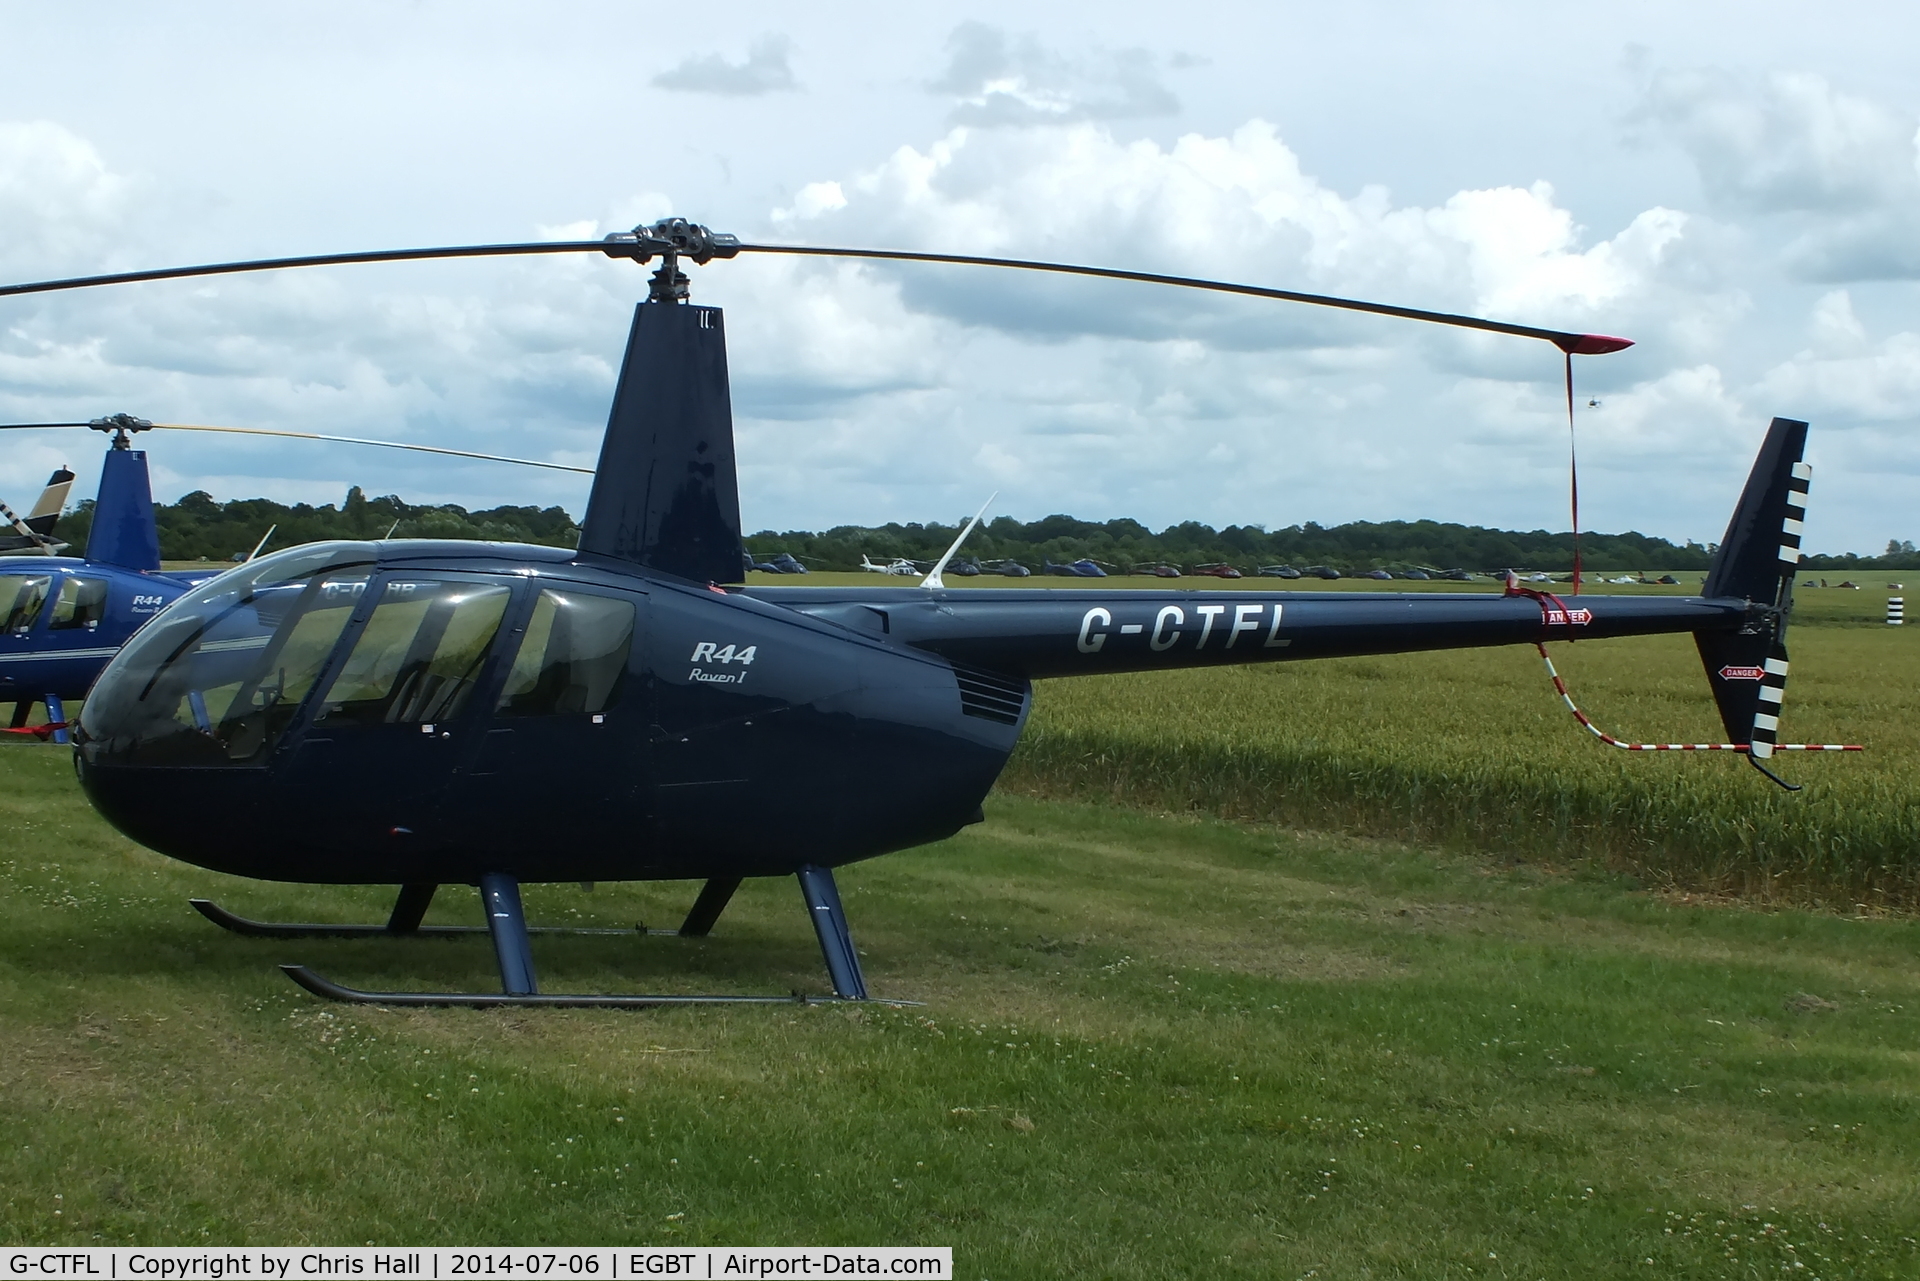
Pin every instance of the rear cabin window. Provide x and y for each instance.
(21, 596)
(82, 603)
(420, 655)
(573, 657)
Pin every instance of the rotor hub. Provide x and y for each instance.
(122, 426)
(671, 239)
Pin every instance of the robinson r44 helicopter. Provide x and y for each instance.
(433, 712)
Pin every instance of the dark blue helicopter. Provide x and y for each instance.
(419, 713)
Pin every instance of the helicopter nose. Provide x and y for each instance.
(215, 819)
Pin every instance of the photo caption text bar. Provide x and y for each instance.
(371, 1263)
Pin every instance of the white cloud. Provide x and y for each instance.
(1238, 207)
(1837, 170)
(1001, 78)
(59, 204)
(764, 70)
(1876, 383)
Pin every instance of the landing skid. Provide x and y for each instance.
(293, 930)
(329, 990)
(512, 944)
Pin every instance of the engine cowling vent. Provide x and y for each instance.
(990, 695)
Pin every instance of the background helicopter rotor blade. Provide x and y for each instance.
(678, 237)
(310, 435)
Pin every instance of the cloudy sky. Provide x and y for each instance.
(1734, 186)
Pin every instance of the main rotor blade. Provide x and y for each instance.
(630, 247)
(309, 435)
(315, 260)
(1572, 343)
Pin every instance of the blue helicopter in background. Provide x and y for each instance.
(63, 617)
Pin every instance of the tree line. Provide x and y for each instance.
(199, 528)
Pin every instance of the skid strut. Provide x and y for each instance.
(830, 923)
(500, 895)
(714, 896)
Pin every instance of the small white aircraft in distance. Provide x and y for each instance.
(899, 566)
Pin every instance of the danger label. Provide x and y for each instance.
(1741, 673)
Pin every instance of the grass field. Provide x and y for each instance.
(1153, 1047)
(1473, 749)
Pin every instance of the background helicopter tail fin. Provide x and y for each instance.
(35, 533)
(1757, 560)
(666, 494)
(53, 501)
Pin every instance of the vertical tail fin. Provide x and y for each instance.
(666, 494)
(1757, 561)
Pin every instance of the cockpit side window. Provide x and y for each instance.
(82, 603)
(572, 658)
(21, 596)
(419, 656)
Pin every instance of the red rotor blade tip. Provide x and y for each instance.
(1591, 344)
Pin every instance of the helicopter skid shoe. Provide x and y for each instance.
(238, 924)
(331, 991)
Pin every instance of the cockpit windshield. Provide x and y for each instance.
(218, 676)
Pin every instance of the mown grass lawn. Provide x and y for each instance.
(1151, 1047)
